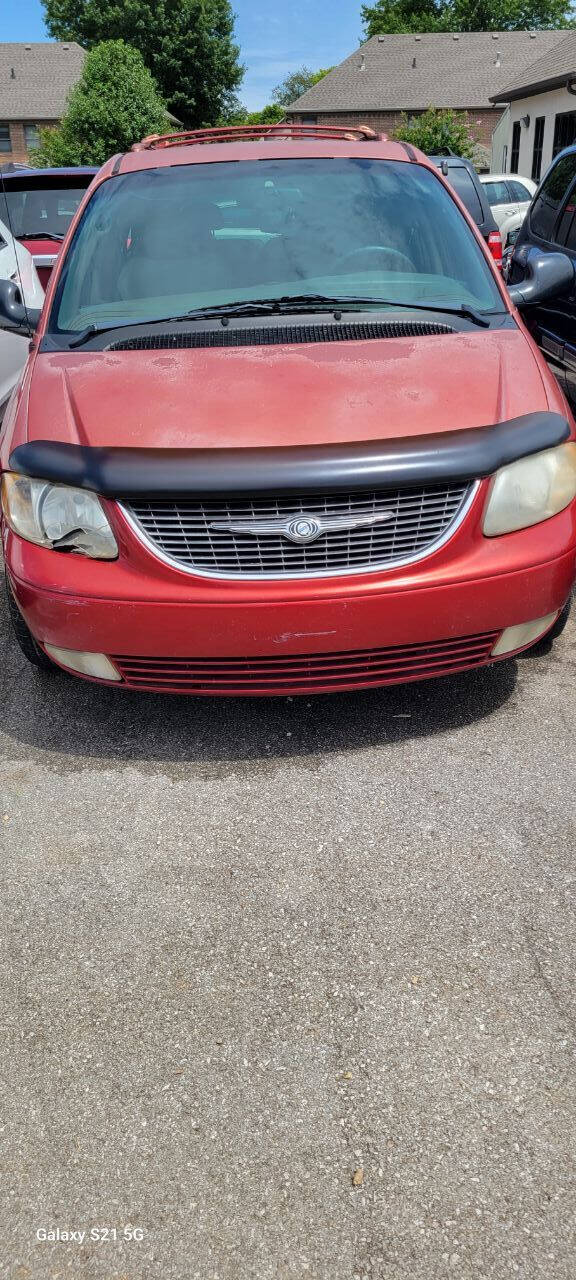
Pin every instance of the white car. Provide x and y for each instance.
(16, 264)
(509, 197)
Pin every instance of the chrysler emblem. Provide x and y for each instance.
(300, 527)
(303, 529)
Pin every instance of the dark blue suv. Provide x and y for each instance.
(550, 227)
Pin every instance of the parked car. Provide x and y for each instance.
(462, 175)
(510, 232)
(16, 265)
(509, 197)
(549, 229)
(324, 456)
(39, 204)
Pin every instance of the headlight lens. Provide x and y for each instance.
(57, 516)
(531, 490)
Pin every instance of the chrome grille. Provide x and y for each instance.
(419, 520)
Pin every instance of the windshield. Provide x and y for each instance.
(41, 211)
(162, 242)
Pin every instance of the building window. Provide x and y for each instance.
(31, 136)
(538, 146)
(515, 151)
(309, 119)
(5, 143)
(564, 131)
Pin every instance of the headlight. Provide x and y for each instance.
(57, 516)
(531, 490)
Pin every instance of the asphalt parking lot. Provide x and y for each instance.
(289, 986)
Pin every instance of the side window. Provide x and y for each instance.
(564, 230)
(464, 187)
(498, 193)
(547, 204)
(519, 191)
(571, 234)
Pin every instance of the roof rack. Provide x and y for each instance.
(258, 133)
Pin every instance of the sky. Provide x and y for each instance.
(275, 36)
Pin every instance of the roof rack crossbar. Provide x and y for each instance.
(257, 133)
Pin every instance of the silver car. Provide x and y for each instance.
(16, 264)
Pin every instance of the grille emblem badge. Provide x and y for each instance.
(305, 529)
(301, 527)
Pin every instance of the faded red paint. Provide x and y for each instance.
(286, 395)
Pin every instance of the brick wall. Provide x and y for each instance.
(19, 152)
(482, 123)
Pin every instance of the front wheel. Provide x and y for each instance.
(24, 637)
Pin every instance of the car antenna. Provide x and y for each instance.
(16, 258)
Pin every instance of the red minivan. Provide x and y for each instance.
(282, 428)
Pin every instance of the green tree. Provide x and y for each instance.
(188, 45)
(291, 88)
(510, 15)
(114, 103)
(272, 114)
(385, 16)
(397, 16)
(435, 132)
(296, 84)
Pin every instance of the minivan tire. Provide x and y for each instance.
(24, 637)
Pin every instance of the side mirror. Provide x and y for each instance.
(546, 275)
(14, 316)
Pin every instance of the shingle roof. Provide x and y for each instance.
(451, 71)
(43, 76)
(555, 67)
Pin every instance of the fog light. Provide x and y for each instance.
(525, 633)
(88, 664)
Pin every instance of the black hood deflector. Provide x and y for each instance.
(451, 456)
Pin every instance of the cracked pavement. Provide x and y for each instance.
(289, 985)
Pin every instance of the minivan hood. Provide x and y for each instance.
(284, 395)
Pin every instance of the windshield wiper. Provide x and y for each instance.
(93, 331)
(292, 303)
(260, 306)
(287, 304)
(40, 235)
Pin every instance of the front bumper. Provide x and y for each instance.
(374, 634)
(165, 628)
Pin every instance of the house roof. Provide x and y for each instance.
(35, 79)
(451, 70)
(552, 69)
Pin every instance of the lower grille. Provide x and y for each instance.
(393, 527)
(311, 672)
